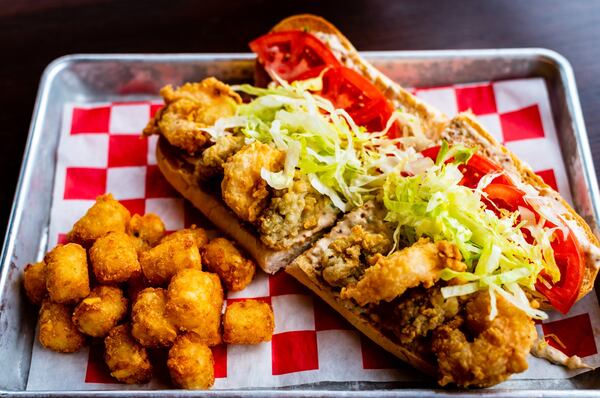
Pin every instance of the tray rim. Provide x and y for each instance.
(25, 174)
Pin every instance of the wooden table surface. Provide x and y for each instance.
(34, 32)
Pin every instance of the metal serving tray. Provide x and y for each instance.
(93, 78)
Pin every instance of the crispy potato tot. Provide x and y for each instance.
(149, 322)
(199, 235)
(223, 258)
(57, 331)
(99, 312)
(248, 322)
(106, 215)
(67, 278)
(147, 230)
(194, 302)
(34, 281)
(126, 359)
(114, 258)
(160, 263)
(191, 363)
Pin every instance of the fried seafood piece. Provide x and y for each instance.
(416, 313)
(248, 322)
(198, 234)
(147, 230)
(190, 108)
(67, 279)
(114, 258)
(488, 351)
(346, 258)
(149, 322)
(99, 312)
(163, 261)
(191, 363)
(223, 258)
(295, 213)
(243, 189)
(34, 282)
(106, 215)
(194, 303)
(212, 159)
(390, 276)
(56, 329)
(126, 359)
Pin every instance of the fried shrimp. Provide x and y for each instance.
(149, 322)
(34, 281)
(194, 303)
(191, 363)
(57, 331)
(100, 311)
(213, 158)
(244, 190)
(114, 258)
(487, 352)
(163, 261)
(126, 359)
(67, 278)
(197, 233)
(190, 108)
(390, 276)
(106, 215)
(223, 258)
(146, 230)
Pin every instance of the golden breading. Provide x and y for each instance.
(223, 258)
(67, 278)
(160, 263)
(191, 363)
(248, 322)
(190, 108)
(99, 312)
(149, 322)
(126, 359)
(199, 235)
(34, 281)
(57, 331)
(243, 189)
(147, 230)
(194, 302)
(106, 215)
(114, 258)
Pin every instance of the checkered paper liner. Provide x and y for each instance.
(101, 151)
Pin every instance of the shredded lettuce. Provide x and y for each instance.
(496, 252)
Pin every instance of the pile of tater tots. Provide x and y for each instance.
(122, 279)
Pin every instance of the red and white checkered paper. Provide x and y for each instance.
(101, 151)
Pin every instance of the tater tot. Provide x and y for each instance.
(248, 322)
(67, 278)
(191, 363)
(99, 312)
(34, 281)
(194, 302)
(106, 215)
(146, 230)
(223, 258)
(199, 235)
(57, 331)
(160, 263)
(114, 258)
(126, 359)
(149, 322)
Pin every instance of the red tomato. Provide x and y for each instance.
(293, 54)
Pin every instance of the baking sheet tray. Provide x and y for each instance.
(95, 78)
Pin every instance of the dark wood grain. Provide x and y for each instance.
(34, 32)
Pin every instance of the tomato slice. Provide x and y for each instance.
(349, 90)
(506, 196)
(293, 54)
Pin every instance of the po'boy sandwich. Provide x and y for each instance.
(427, 234)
